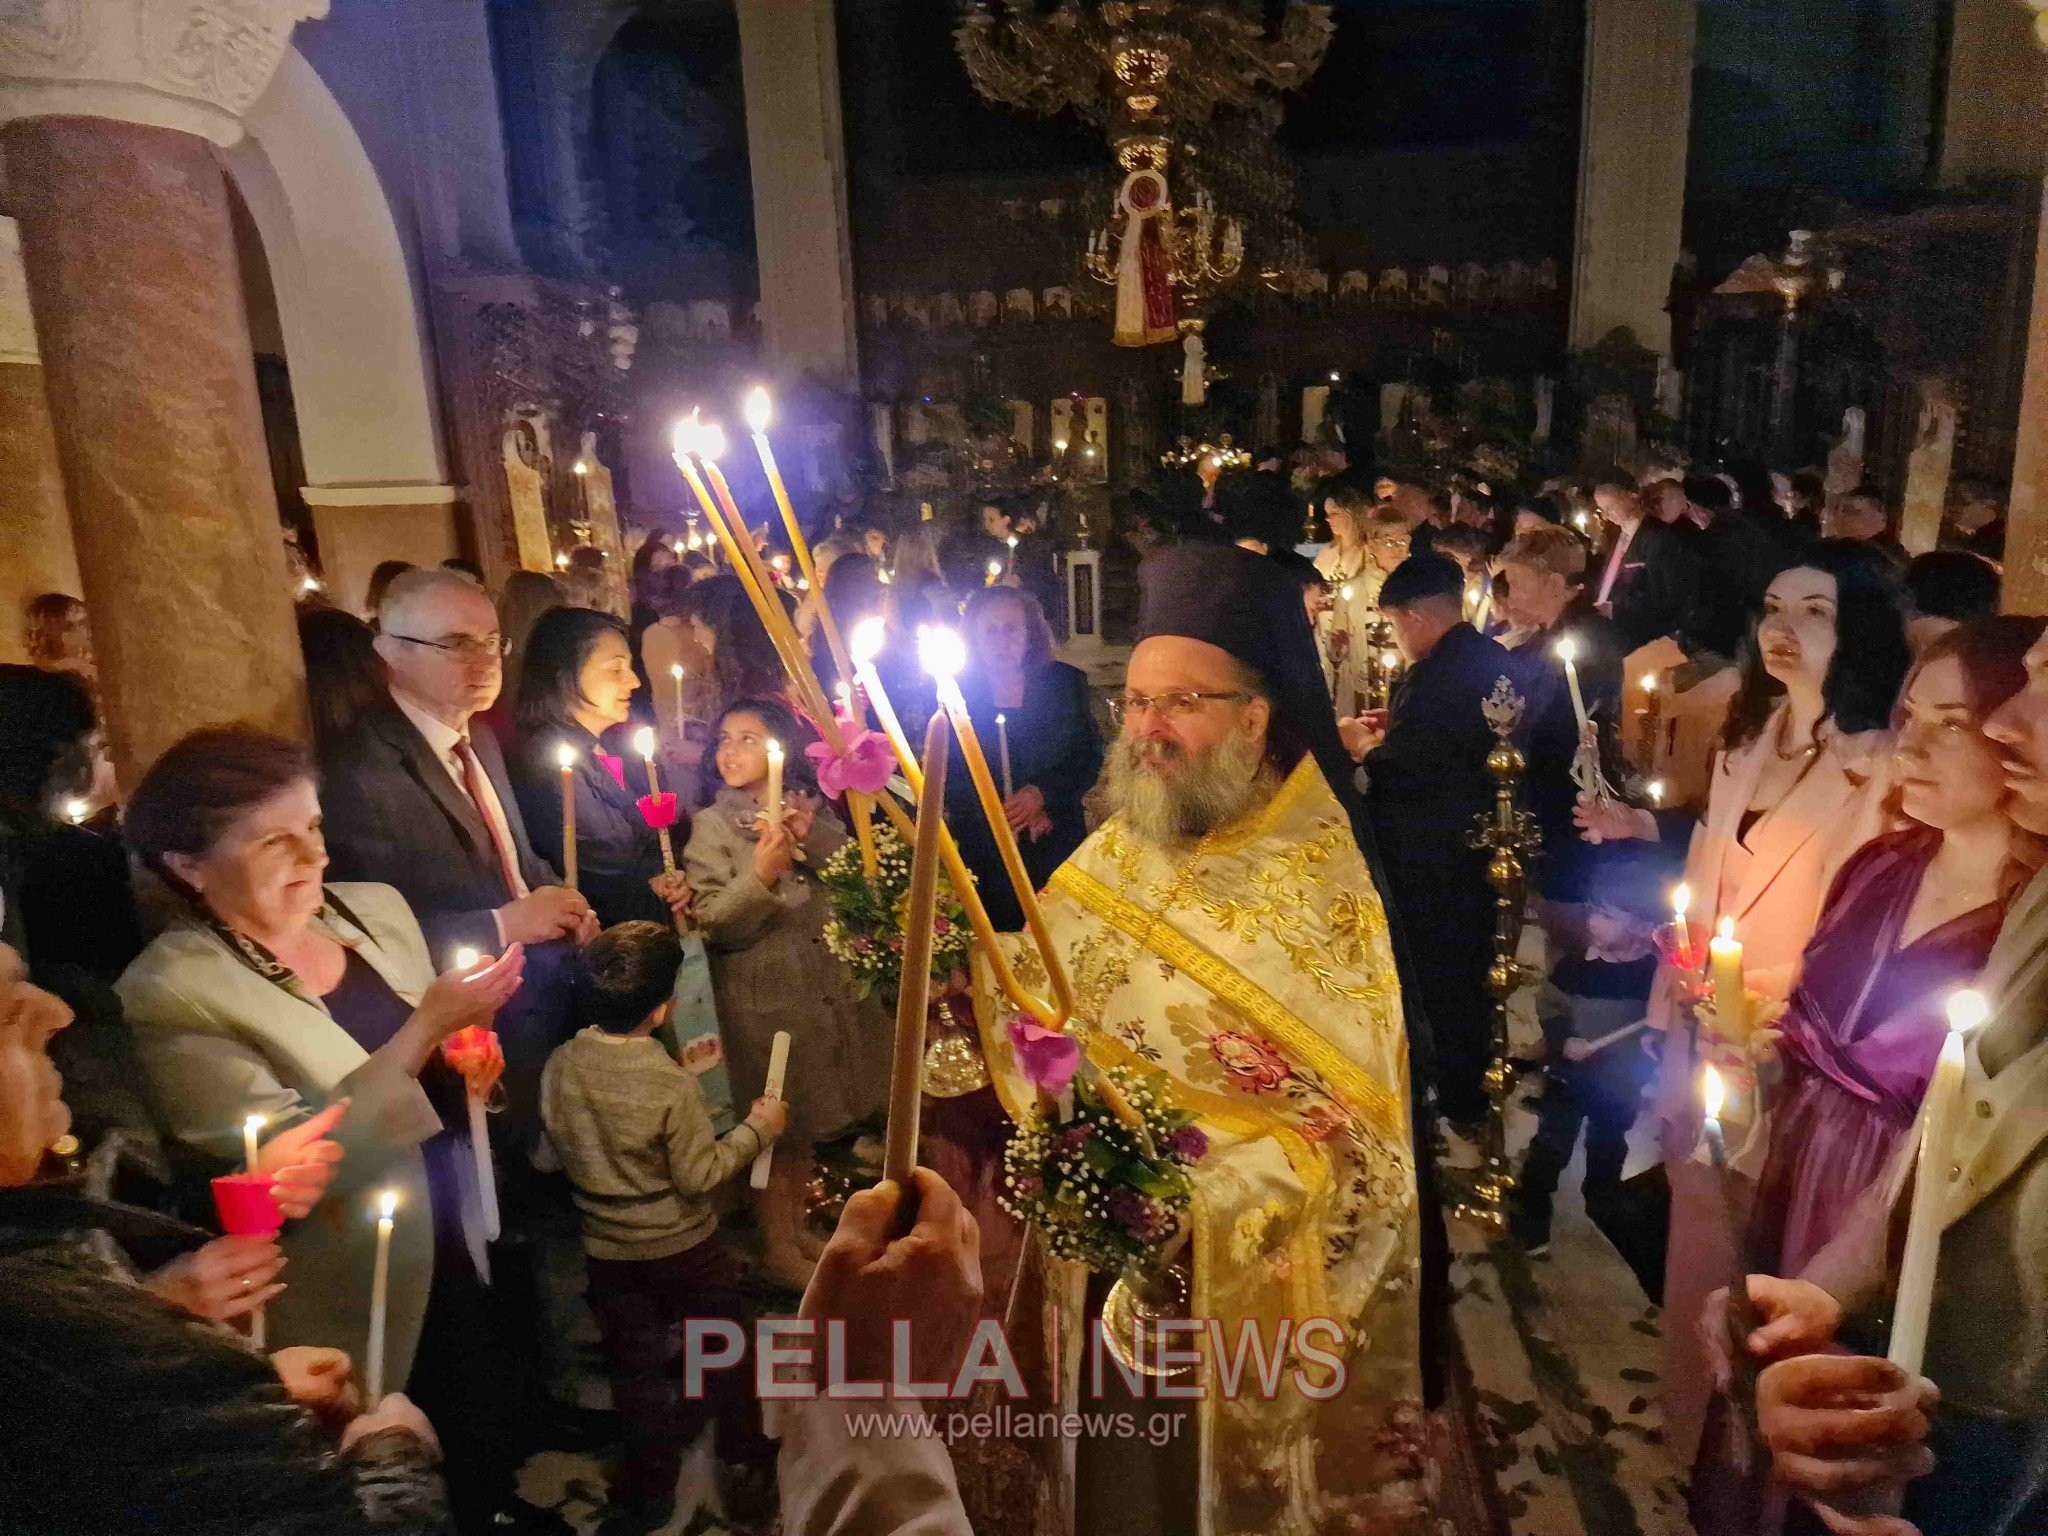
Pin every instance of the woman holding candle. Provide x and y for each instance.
(273, 994)
(578, 685)
(1799, 786)
(1033, 717)
(120, 1410)
(1910, 918)
(763, 915)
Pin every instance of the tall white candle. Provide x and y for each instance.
(771, 805)
(380, 1299)
(250, 1146)
(565, 755)
(1003, 751)
(675, 677)
(1939, 1112)
(1568, 653)
(778, 1072)
(486, 1172)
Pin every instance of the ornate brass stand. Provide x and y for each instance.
(1509, 834)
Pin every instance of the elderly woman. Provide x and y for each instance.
(121, 1408)
(578, 684)
(274, 996)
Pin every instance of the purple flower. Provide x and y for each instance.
(1137, 1214)
(1048, 1058)
(1189, 1144)
(1029, 1184)
(1073, 1138)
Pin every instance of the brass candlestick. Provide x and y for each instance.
(1382, 663)
(1509, 834)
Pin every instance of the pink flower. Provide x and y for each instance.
(865, 765)
(658, 811)
(1257, 1067)
(1047, 1057)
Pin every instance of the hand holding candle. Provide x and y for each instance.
(778, 1072)
(476, 1053)
(771, 800)
(1940, 1111)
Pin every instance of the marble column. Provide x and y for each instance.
(2026, 523)
(148, 369)
(35, 525)
(796, 148)
(1632, 149)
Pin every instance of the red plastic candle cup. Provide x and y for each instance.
(247, 1206)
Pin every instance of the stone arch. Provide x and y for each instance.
(352, 318)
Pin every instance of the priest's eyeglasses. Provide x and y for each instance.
(1171, 706)
(465, 647)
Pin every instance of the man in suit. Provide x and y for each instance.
(1648, 585)
(1987, 1344)
(1423, 774)
(419, 799)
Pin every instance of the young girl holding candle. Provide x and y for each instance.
(753, 867)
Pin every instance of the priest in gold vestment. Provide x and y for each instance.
(1222, 926)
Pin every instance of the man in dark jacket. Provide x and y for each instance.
(1648, 585)
(1423, 773)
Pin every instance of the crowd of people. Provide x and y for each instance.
(451, 909)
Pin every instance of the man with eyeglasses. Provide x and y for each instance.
(1223, 927)
(418, 799)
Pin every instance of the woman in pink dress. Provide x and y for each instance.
(1910, 918)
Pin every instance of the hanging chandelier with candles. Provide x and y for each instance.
(1184, 85)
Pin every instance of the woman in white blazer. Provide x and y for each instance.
(275, 995)
(1798, 786)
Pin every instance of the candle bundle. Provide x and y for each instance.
(913, 993)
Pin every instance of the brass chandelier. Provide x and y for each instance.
(1195, 84)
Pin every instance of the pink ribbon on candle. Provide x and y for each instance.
(477, 1055)
(1048, 1058)
(615, 766)
(658, 811)
(865, 765)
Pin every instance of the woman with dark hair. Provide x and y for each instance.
(276, 997)
(344, 675)
(1797, 788)
(57, 635)
(577, 684)
(56, 785)
(722, 621)
(853, 591)
(1046, 752)
(763, 914)
(1911, 917)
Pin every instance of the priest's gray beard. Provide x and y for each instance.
(1215, 787)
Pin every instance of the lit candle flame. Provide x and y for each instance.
(711, 441)
(1725, 931)
(1567, 650)
(387, 1205)
(561, 562)
(1059, 445)
(868, 638)
(760, 410)
(676, 671)
(1967, 1009)
(465, 958)
(995, 567)
(643, 742)
(565, 755)
(687, 433)
(75, 811)
(580, 468)
(1649, 682)
(1013, 543)
(1711, 1093)
(940, 652)
(253, 1125)
(1656, 787)
(1681, 900)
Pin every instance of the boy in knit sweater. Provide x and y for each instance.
(636, 1140)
